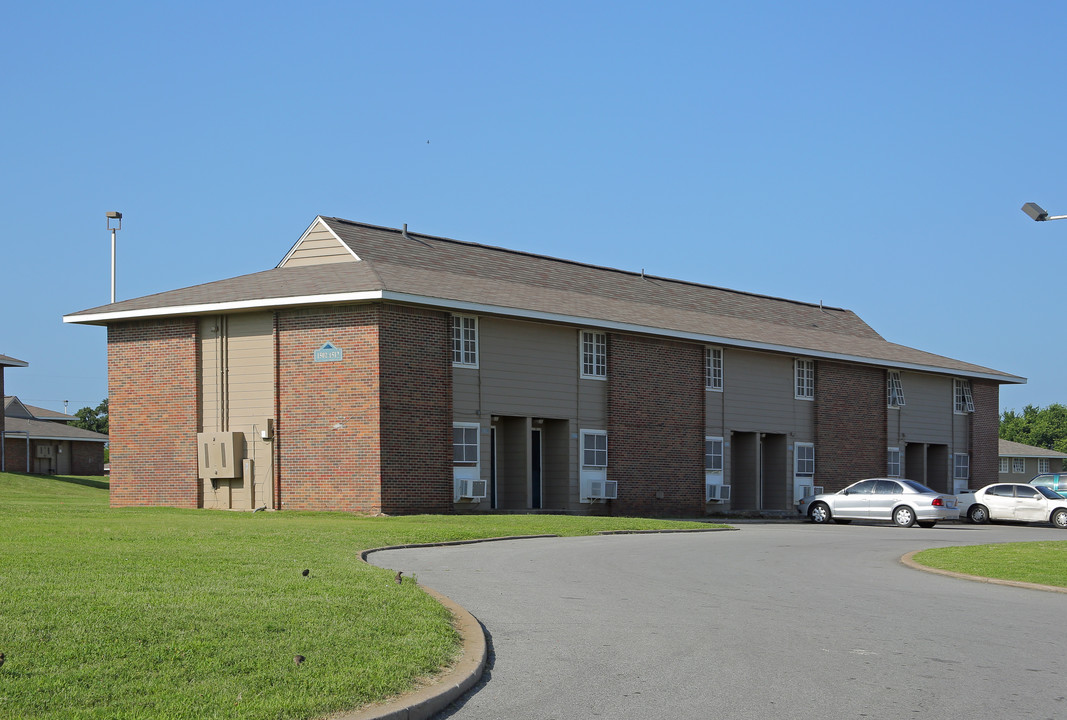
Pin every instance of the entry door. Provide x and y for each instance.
(535, 469)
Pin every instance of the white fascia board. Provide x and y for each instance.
(12, 362)
(471, 307)
(217, 308)
(318, 218)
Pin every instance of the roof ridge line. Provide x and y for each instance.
(578, 263)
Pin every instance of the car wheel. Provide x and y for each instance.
(926, 524)
(820, 513)
(1059, 519)
(904, 516)
(842, 521)
(978, 514)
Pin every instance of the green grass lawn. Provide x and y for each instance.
(1044, 563)
(163, 613)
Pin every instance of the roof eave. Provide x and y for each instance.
(473, 307)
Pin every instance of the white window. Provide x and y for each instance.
(964, 403)
(713, 454)
(804, 459)
(465, 443)
(1004, 465)
(894, 390)
(804, 371)
(594, 354)
(893, 469)
(961, 466)
(713, 368)
(465, 340)
(1018, 465)
(594, 448)
(1042, 465)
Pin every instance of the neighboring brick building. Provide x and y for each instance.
(334, 382)
(40, 441)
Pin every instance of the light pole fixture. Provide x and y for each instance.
(1038, 213)
(117, 218)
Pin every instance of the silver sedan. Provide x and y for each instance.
(905, 502)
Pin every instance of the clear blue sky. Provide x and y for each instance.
(871, 156)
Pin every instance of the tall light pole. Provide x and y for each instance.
(1038, 213)
(117, 217)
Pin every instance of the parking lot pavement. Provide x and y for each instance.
(785, 619)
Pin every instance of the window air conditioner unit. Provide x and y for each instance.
(717, 493)
(604, 490)
(809, 490)
(472, 489)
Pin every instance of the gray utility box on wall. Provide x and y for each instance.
(220, 454)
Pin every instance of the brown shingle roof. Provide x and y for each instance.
(449, 273)
(1010, 448)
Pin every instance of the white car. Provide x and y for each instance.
(1014, 501)
(905, 502)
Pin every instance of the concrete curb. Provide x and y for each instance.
(910, 562)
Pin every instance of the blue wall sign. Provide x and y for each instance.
(329, 353)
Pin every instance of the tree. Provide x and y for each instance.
(94, 419)
(1040, 427)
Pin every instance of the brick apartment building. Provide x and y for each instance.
(380, 371)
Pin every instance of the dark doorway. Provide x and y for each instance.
(535, 469)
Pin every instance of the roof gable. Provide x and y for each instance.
(319, 245)
(13, 408)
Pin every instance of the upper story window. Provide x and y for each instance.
(1004, 465)
(961, 466)
(594, 448)
(465, 443)
(894, 390)
(893, 467)
(713, 454)
(963, 403)
(1018, 465)
(713, 368)
(804, 373)
(465, 340)
(1042, 465)
(594, 354)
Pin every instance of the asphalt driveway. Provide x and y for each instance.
(771, 620)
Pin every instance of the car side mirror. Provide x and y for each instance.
(844, 492)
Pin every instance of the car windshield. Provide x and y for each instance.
(917, 487)
(1047, 492)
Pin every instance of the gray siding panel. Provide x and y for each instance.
(927, 414)
(530, 369)
(758, 396)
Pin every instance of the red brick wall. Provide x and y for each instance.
(86, 458)
(15, 453)
(152, 410)
(329, 418)
(985, 433)
(850, 424)
(416, 402)
(656, 425)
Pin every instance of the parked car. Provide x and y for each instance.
(1014, 501)
(905, 502)
(1055, 482)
